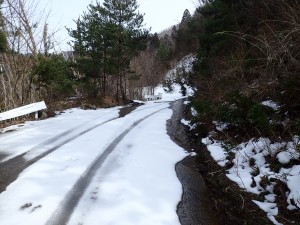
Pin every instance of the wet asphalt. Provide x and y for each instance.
(195, 207)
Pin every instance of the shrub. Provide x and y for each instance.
(258, 117)
(53, 77)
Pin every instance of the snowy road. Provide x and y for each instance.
(91, 167)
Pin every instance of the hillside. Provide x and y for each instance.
(246, 107)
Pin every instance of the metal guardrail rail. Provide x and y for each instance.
(23, 110)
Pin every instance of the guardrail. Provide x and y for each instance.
(23, 110)
(153, 97)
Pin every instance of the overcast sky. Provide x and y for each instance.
(159, 14)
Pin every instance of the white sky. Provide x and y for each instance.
(159, 14)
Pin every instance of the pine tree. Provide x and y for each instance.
(186, 16)
(94, 45)
(108, 36)
(124, 14)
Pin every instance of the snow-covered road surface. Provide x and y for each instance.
(135, 183)
(37, 137)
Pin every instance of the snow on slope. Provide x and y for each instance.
(252, 172)
(174, 91)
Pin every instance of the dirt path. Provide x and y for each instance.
(195, 207)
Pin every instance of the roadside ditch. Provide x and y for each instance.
(209, 197)
(196, 205)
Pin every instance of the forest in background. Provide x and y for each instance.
(113, 59)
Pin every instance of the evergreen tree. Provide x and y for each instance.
(186, 35)
(124, 14)
(154, 42)
(52, 76)
(186, 16)
(106, 39)
(163, 53)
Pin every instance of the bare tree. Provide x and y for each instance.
(26, 29)
(148, 74)
(27, 26)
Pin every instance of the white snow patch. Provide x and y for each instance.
(185, 122)
(270, 197)
(220, 126)
(193, 154)
(11, 128)
(283, 157)
(194, 112)
(138, 101)
(293, 181)
(216, 151)
(250, 168)
(271, 210)
(271, 104)
(169, 96)
(185, 66)
(188, 123)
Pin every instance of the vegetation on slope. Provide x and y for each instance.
(249, 54)
(246, 76)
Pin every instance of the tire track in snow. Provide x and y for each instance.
(10, 169)
(57, 138)
(63, 213)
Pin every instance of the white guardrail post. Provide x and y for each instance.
(23, 110)
(153, 97)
